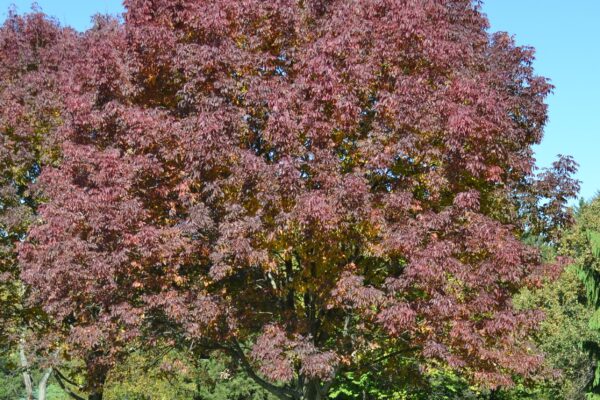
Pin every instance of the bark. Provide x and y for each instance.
(97, 374)
(96, 395)
(26, 370)
(97, 390)
(42, 385)
(312, 391)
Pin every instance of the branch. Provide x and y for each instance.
(392, 354)
(64, 378)
(59, 377)
(155, 362)
(282, 393)
(43, 383)
(46, 376)
(26, 369)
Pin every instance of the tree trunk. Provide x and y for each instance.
(97, 373)
(42, 385)
(26, 370)
(96, 396)
(97, 390)
(312, 391)
(97, 386)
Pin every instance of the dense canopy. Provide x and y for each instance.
(295, 182)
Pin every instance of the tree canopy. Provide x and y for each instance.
(301, 184)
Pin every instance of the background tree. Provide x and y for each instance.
(318, 178)
(561, 336)
(582, 244)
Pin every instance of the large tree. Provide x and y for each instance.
(327, 180)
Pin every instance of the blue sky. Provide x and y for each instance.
(566, 35)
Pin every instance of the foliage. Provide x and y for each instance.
(33, 52)
(146, 378)
(11, 386)
(436, 383)
(173, 375)
(29, 110)
(561, 336)
(583, 245)
(383, 373)
(220, 379)
(318, 178)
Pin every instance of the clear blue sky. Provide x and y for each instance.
(566, 35)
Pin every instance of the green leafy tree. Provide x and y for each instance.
(561, 337)
(582, 244)
(145, 376)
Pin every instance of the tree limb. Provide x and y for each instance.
(59, 378)
(26, 369)
(280, 392)
(43, 383)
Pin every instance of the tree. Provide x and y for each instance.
(561, 337)
(319, 178)
(582, 244)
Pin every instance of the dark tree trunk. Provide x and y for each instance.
(312, 391)
(97, 374)
(97, 389)
(95, 396)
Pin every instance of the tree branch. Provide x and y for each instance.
(59, 378)
(64, 378)
(26, 369)
(155, 362)
(43, 383)
(392, 354)
(280, 392)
